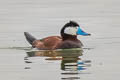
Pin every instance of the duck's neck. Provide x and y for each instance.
(69, 37)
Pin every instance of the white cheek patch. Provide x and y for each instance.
(70, 30)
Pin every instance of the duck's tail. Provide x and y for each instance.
(29, 37)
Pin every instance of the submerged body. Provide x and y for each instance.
(68, 39)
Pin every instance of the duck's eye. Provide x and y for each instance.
(76, 27)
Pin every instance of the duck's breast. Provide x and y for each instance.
(70, 44)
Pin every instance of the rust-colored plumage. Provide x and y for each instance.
(47, 43)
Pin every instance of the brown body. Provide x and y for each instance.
(51, 42)
(56, 42)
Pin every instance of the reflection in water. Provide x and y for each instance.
(27, 68)
(71, 63)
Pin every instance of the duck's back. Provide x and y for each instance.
(56, 42)
(48, 43)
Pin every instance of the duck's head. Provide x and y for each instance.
(72, 29)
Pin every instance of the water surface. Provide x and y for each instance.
(99, 59)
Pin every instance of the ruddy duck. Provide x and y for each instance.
(67, 40)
